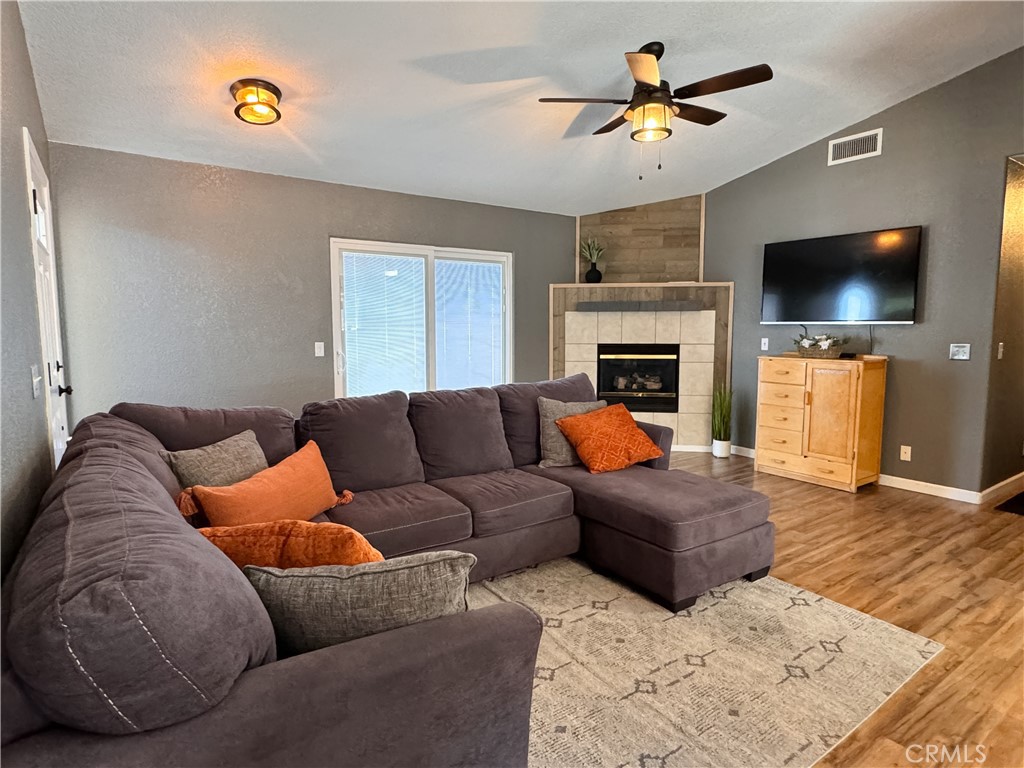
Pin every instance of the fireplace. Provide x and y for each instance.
(643, 377)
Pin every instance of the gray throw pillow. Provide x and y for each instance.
(316, 607)
(555, 450)
(225, 463)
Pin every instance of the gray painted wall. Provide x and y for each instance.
(204, 286)
(1004, 433)
(943, 166)
(25, 466)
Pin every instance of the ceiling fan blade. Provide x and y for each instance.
(738, 79)
(701, 115)
(583, 101)
(644, 68)
(612, 125)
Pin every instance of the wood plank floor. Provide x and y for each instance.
(950, 571)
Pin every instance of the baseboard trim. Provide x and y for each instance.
(692, 448)
(1000, 492)
(931, 489)
(739, 450)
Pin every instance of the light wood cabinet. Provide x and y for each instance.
(821, 420)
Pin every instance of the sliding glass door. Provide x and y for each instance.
(417, 318)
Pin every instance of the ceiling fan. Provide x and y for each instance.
(652, 108)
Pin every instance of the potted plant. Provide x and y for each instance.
(721, 422)
(591, 250)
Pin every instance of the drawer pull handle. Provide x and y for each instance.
(829, 471)
(782, 418)
(781, 394)
(778, 461)
(779, 440)
(782, 373)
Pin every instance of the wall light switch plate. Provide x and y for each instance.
(764, 345)
(904, 453)
(37, 382)
(999, 351)
(959, 351)
(318, 349)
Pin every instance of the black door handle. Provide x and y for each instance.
(64, 390)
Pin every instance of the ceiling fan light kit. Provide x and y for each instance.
(256, 101)
(652, 105)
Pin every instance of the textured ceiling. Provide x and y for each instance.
(441, 99)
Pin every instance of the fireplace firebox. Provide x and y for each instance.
(643, 377)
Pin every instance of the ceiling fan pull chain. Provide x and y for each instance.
(641, 162)
(659, 155)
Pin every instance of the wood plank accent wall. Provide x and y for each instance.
(713, 296)
(654, 243)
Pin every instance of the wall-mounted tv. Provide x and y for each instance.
(861, 279)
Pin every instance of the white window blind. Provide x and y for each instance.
(417, 318)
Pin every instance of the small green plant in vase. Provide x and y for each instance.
(721, 422)
(591, 250)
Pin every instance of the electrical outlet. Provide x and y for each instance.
(959, 351)
(318, 349)
(904, 453)
(764, 345)
(999, 351)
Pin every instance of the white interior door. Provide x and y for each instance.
(51, 374)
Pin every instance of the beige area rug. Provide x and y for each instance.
(756, 675)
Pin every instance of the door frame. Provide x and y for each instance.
(53, 372)
(430, 254)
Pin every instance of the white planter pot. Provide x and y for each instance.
(721, 449)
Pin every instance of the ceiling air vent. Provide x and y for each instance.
(856, 147)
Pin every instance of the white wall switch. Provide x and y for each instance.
(904, 453)
(37, 382)
(764, 345)
(318, 349)
(959, 351)
(999, 351)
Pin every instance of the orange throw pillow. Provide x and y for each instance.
(608, 439)
(292, 544)
(297, 488)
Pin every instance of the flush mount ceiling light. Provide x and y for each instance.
(256, 101)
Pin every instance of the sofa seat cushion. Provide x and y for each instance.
(123, 618)
(459, 432)
(367, 442)
(521, 416)
(672, 509)
(508, 499)
(405, 518)
(182, 429)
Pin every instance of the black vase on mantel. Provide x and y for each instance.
(592, 275)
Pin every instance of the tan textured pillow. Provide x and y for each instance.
(225, 463)
(555, 450)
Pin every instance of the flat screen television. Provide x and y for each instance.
(866, 278)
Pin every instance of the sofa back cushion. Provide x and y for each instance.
(367, 442)
(459, 432)
(140, 444)
(521, 415)
(182, 429)
(123, 618)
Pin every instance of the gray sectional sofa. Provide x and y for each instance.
(131, 640)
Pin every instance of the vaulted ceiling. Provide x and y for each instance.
(440, 99)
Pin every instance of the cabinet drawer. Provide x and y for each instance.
(783, 371)
(789, 395)
(780, 417)
(826, 470)
(772, 439)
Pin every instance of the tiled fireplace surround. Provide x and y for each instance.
(696, 316)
